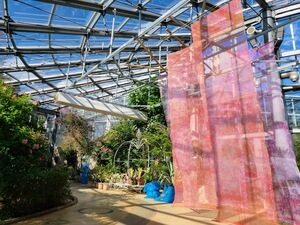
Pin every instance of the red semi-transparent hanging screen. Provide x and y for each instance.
(221, 141)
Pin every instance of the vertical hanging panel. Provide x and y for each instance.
(192, 156)
(286, 177)
(219, 143)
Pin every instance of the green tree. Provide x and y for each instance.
(147, 99)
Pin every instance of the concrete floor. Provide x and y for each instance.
(120, 208)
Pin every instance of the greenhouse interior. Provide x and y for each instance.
(149, 112)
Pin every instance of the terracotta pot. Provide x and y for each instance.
(100, 186)
(90, 184)
(141, 181)
(105, 186)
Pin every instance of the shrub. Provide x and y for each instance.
(27, 184)
(33, 190)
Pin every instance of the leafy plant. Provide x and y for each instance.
(27, 183)
(140, 137)
(149, 100)
(30, 191)
(130, 173)
(77, 135)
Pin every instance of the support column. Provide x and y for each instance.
(267, 23)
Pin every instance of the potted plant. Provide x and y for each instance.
(91, 180)
(100, 176)
(107, 175)
(130, 173)
(140, 179)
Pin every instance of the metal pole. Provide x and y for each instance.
(268, 22)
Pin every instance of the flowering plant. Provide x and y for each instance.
(35, 148)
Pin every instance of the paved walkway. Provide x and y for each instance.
(120, 208)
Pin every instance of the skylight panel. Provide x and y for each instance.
(106, 22)
(47, 73)
(98, 42)
(102, 42)
(59, 83)
(30, 39)
(38, 58)
(41, 98)
(12, 63)
(184, 16)
(94, 58)
(29, 11)
(74, 91)
(41, 87)
(25, 89)
(131, 25)
(1, 9)
(63, 40)
(68, 16)
(24, 76)
(2, 39)
(64, 57)
(75, 70)
(289, 42)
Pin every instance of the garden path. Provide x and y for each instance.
(117, 207)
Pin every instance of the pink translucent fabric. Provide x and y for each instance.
(221, 141)
(286, 177)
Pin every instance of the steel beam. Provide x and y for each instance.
(151, 26)
(283, 12)
(93, 50)
(64, 64)
(122, 11)
(263, 4)
(37, 28)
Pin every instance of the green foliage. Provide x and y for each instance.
(104, 172)
(296, 138)
(159, 141)
(15, 117)
(148, 97)
(77, 135)
(27, 184)
(140, 136)
(117, 137)
(33, 189)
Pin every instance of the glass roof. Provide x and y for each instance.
(99, 49)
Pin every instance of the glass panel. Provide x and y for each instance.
(63, 40)
(73, 17)
(59, 83)
(105, 23)
(131, 25)
(3, 43)
(9, 62)
(47, 73)
(25, 76)
(1, 9)
(28, 39)
(29, 11)
(38, 59)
